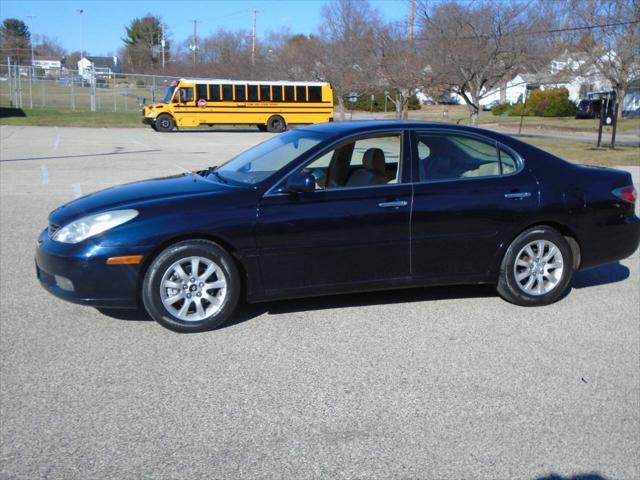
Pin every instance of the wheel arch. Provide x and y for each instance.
(567, 232)
(150, 257)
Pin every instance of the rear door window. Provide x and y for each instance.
(453, 156)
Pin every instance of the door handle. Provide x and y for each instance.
(396, 204)
(517, 195)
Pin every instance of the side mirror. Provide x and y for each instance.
(176, 98)
(300, 183)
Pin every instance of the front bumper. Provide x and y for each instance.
(149, 121)
(78, 273)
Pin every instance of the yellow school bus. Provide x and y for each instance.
(271, 106)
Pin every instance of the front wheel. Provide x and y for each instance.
(164, 123)
(537, 268)
(191, 286)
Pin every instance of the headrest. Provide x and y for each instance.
(373, 159)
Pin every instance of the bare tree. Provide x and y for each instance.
(47, 46)
(474, 47)
(347, 33)
(298, 57)
(400, 65)
(610, 40)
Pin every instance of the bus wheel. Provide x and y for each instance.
(262, 128)
(276, 124)
(164, 123)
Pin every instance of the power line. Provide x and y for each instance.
(546, 32)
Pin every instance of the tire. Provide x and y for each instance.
(276, 124)
(166, 305)
(554, 267)
(165, 123)
(153, 127)
(262, 128)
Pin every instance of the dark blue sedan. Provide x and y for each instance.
(336, 208)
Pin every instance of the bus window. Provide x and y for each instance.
(227, 93)
(186, 94)
(301, 93)
(240, 93)
(265, 93)
(252, 93)
(214, 93)
(315, 94)
(201, 91)
(276, 93)
(288, 93)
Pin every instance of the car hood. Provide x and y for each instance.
(138, 194)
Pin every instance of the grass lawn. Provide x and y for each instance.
(76, 119)
(460, 114)
(580, 152)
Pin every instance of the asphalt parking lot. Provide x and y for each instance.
(444, 383)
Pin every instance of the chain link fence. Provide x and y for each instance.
(72, 90)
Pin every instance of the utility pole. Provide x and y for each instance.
(194, 46)
(412, 14)
(253, 38)
(80, 12)
(162, 43)
(31, 17)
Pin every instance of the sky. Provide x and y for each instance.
(103, 22)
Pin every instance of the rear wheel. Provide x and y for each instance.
(276, 124)
(191, 286)
(537, 268)
(164, 123)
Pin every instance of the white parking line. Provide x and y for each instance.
(56, 141)
(45, 174)
(77, 190)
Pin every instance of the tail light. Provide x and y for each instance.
(628, 193)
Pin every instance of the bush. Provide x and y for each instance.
(501, 108)
(553, 102)
(139, 83)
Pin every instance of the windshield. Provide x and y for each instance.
(168, 94)
(263, 160)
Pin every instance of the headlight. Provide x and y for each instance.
(93, 225)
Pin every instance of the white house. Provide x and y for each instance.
(101, 67)
(49, 65)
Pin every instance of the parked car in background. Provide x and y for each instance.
(592, 108)
(341, 207)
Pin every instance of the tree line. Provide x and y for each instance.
(451, 46)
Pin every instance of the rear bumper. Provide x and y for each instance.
(610, 243)
(79, 273)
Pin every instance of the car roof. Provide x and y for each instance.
(364, 126)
